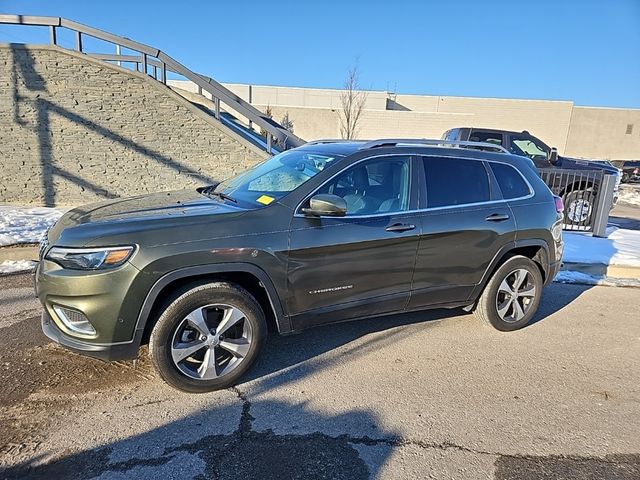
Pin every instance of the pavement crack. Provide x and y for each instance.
(246, 419)
(400, 442)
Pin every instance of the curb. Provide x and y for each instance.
(601, 270)
(19, 252)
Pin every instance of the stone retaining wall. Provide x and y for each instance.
(74, 130)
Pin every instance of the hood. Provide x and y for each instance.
(142, 212)
(581, 164)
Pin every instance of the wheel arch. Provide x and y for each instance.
(248, 276)
(536, 250)
(578, 185)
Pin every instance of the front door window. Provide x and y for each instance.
(373, 187)
(528, 147)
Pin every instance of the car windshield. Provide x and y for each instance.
(272, 179)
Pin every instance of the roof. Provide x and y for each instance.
(339, 147)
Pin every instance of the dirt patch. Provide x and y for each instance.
(41, 381)
(29, 364)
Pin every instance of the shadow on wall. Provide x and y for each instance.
(23, 68)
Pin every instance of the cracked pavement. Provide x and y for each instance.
(428, 395)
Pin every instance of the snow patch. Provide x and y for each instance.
(12, 266)
(629, 195)
(620, 247)
(26, 225)
(570, 276)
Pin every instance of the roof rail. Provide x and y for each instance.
(383, 142)
(330, 140)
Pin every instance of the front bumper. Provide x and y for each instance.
(107, 352)
(103, 297)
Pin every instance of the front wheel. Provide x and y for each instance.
(512, 295)
(208, 337)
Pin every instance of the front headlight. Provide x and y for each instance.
(89, 258)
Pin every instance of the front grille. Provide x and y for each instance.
(44, 243)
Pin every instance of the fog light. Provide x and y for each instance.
(74, 321)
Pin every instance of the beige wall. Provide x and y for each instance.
(601, 133)
(547, 120)
(574, 130)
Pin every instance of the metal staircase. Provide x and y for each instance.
(228, 108)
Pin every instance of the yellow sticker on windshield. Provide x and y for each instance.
(265, 199)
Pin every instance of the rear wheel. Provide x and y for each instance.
(512, 295)
(208, 337)
(578, 206)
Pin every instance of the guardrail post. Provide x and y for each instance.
(144, 63)
(163, 73)
(52, 32)
(79, 41)
(216, 102)
(604, 202)
(118, 53)
(155, 72)
(269, 142)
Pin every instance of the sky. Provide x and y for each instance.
(586, 51)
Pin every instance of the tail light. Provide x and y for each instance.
(559, 204)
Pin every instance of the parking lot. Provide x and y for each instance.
(428, 395)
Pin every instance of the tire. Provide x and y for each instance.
(495, 299)
(208, 337)
(579, 206)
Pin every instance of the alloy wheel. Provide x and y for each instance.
(515, 295)
(211, 341)
(579, 210)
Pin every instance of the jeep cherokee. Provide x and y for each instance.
(327, 232)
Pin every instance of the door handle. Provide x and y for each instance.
(400, 227)
(497, 217)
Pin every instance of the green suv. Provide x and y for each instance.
(327, 232)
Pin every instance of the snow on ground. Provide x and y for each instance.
(569, 276)
(620, 247)
(629, 194)
(25, 225)
(12, 266)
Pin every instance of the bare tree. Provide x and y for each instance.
(286, 122)
(352, 101)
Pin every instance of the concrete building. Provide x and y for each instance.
(589, 132)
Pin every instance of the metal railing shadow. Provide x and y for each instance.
(24, 69)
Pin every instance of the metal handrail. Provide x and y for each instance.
(164, 63)
(432, 142)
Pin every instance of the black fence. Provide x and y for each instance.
(587, 195)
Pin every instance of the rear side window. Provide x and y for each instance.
(487, 137)
(510, 181)
(455, 181)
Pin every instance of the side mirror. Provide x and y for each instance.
(326, 205)
(553, 156)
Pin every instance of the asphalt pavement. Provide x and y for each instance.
(427, 395)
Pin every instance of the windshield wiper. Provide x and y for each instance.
(209, 191)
